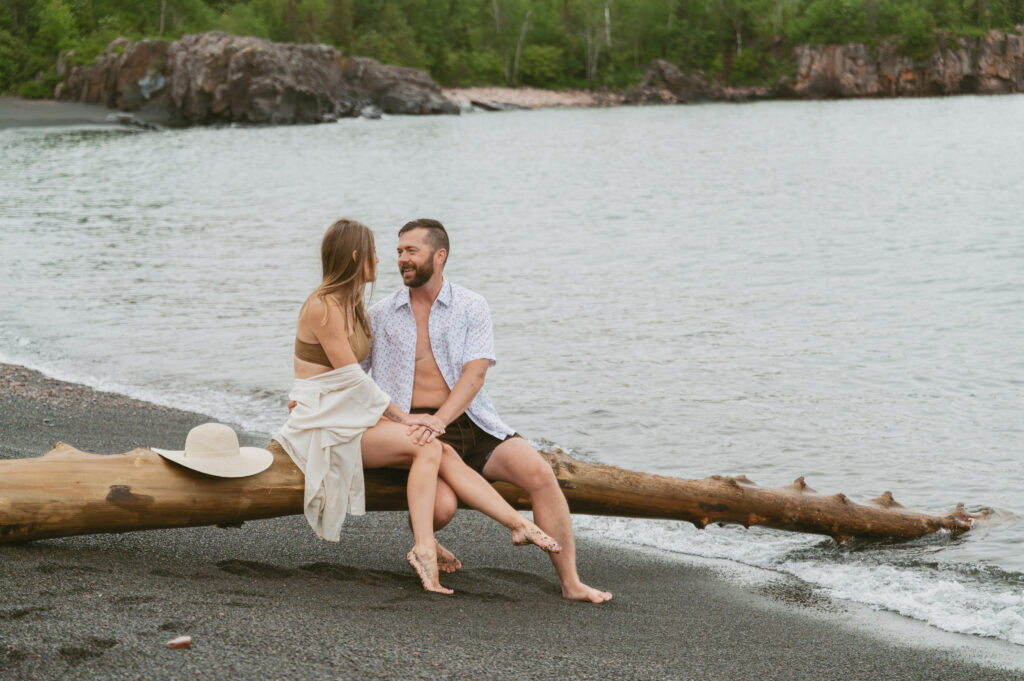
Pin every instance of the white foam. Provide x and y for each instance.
(955, 605)
(944, 598)
(260, 415)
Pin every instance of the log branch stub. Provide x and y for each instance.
(799, 485)
(886, 499)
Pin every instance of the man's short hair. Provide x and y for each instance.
(437, 236)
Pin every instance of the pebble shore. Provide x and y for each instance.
(270, 600)
(533, 98)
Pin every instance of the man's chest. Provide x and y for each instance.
(421, 320)
(421, 331)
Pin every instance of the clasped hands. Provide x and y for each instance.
(423, 428)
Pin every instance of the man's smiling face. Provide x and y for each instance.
(415, 258)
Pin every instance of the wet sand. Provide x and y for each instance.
(270, 600)
(16, 112)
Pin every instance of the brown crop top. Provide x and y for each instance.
(314, 352)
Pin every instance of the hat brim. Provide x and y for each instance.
(250, 461)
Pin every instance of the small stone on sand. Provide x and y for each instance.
(180, 642)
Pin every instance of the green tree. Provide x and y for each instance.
(57, 29)
(339, 24)
(542, 64)
(917, 27)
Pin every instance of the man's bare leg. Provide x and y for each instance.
(474, 490)
(515, 461)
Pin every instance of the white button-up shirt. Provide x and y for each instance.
(460, 331)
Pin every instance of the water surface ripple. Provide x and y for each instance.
(828, 289)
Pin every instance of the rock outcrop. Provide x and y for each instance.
(664, 83)
(394, 89)
(218, 78)
(993, 64)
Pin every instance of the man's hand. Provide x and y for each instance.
(430, 421)
(424, 428)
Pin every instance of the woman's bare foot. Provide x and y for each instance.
(446, 560)
(425, 565)
(582, 592)
(528, 533)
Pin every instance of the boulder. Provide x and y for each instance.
(219, 78)
(665, 83)
(395, 89)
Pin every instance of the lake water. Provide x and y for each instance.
(827, 289)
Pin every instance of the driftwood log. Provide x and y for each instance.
(67, 492)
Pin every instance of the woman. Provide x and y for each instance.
(342, 422)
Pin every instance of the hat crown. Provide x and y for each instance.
(211, 441)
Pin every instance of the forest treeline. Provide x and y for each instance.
(547, 43)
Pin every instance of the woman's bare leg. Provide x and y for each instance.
(445, 505)
(476, 492)
(387, 445)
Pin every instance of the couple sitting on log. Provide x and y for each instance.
(428, 347)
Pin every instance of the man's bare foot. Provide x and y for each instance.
(582, 592)
(446, 560)
(528, 533)
(426, 568)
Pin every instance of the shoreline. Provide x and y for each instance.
(534, 98)
(18, 112)
(270, 599)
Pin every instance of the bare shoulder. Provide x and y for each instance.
(312, 309)
(317, 313)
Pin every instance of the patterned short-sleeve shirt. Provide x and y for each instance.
(460, 331)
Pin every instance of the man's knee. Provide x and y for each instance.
(539, 475)
(445, 505)
(525, 467)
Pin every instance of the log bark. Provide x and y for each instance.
(69, 492)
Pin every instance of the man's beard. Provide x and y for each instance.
(421, 275)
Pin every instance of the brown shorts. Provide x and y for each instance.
(472, 443)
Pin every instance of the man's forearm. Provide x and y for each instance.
(464, 391)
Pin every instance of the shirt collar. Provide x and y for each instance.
(444, 296)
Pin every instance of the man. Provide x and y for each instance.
(432, 345)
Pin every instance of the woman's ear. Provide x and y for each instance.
(355, 255)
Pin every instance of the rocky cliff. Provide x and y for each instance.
(214, 77)
(993, 64)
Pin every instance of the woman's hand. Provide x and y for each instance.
(424, 428)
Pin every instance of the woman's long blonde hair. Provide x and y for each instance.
(344, 276)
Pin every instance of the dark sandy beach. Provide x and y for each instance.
(270, 600)
(16, 112)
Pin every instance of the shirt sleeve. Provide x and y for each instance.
(479, 333)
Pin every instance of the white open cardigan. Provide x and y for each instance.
(323, 436)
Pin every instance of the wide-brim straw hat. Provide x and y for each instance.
(212, 448)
